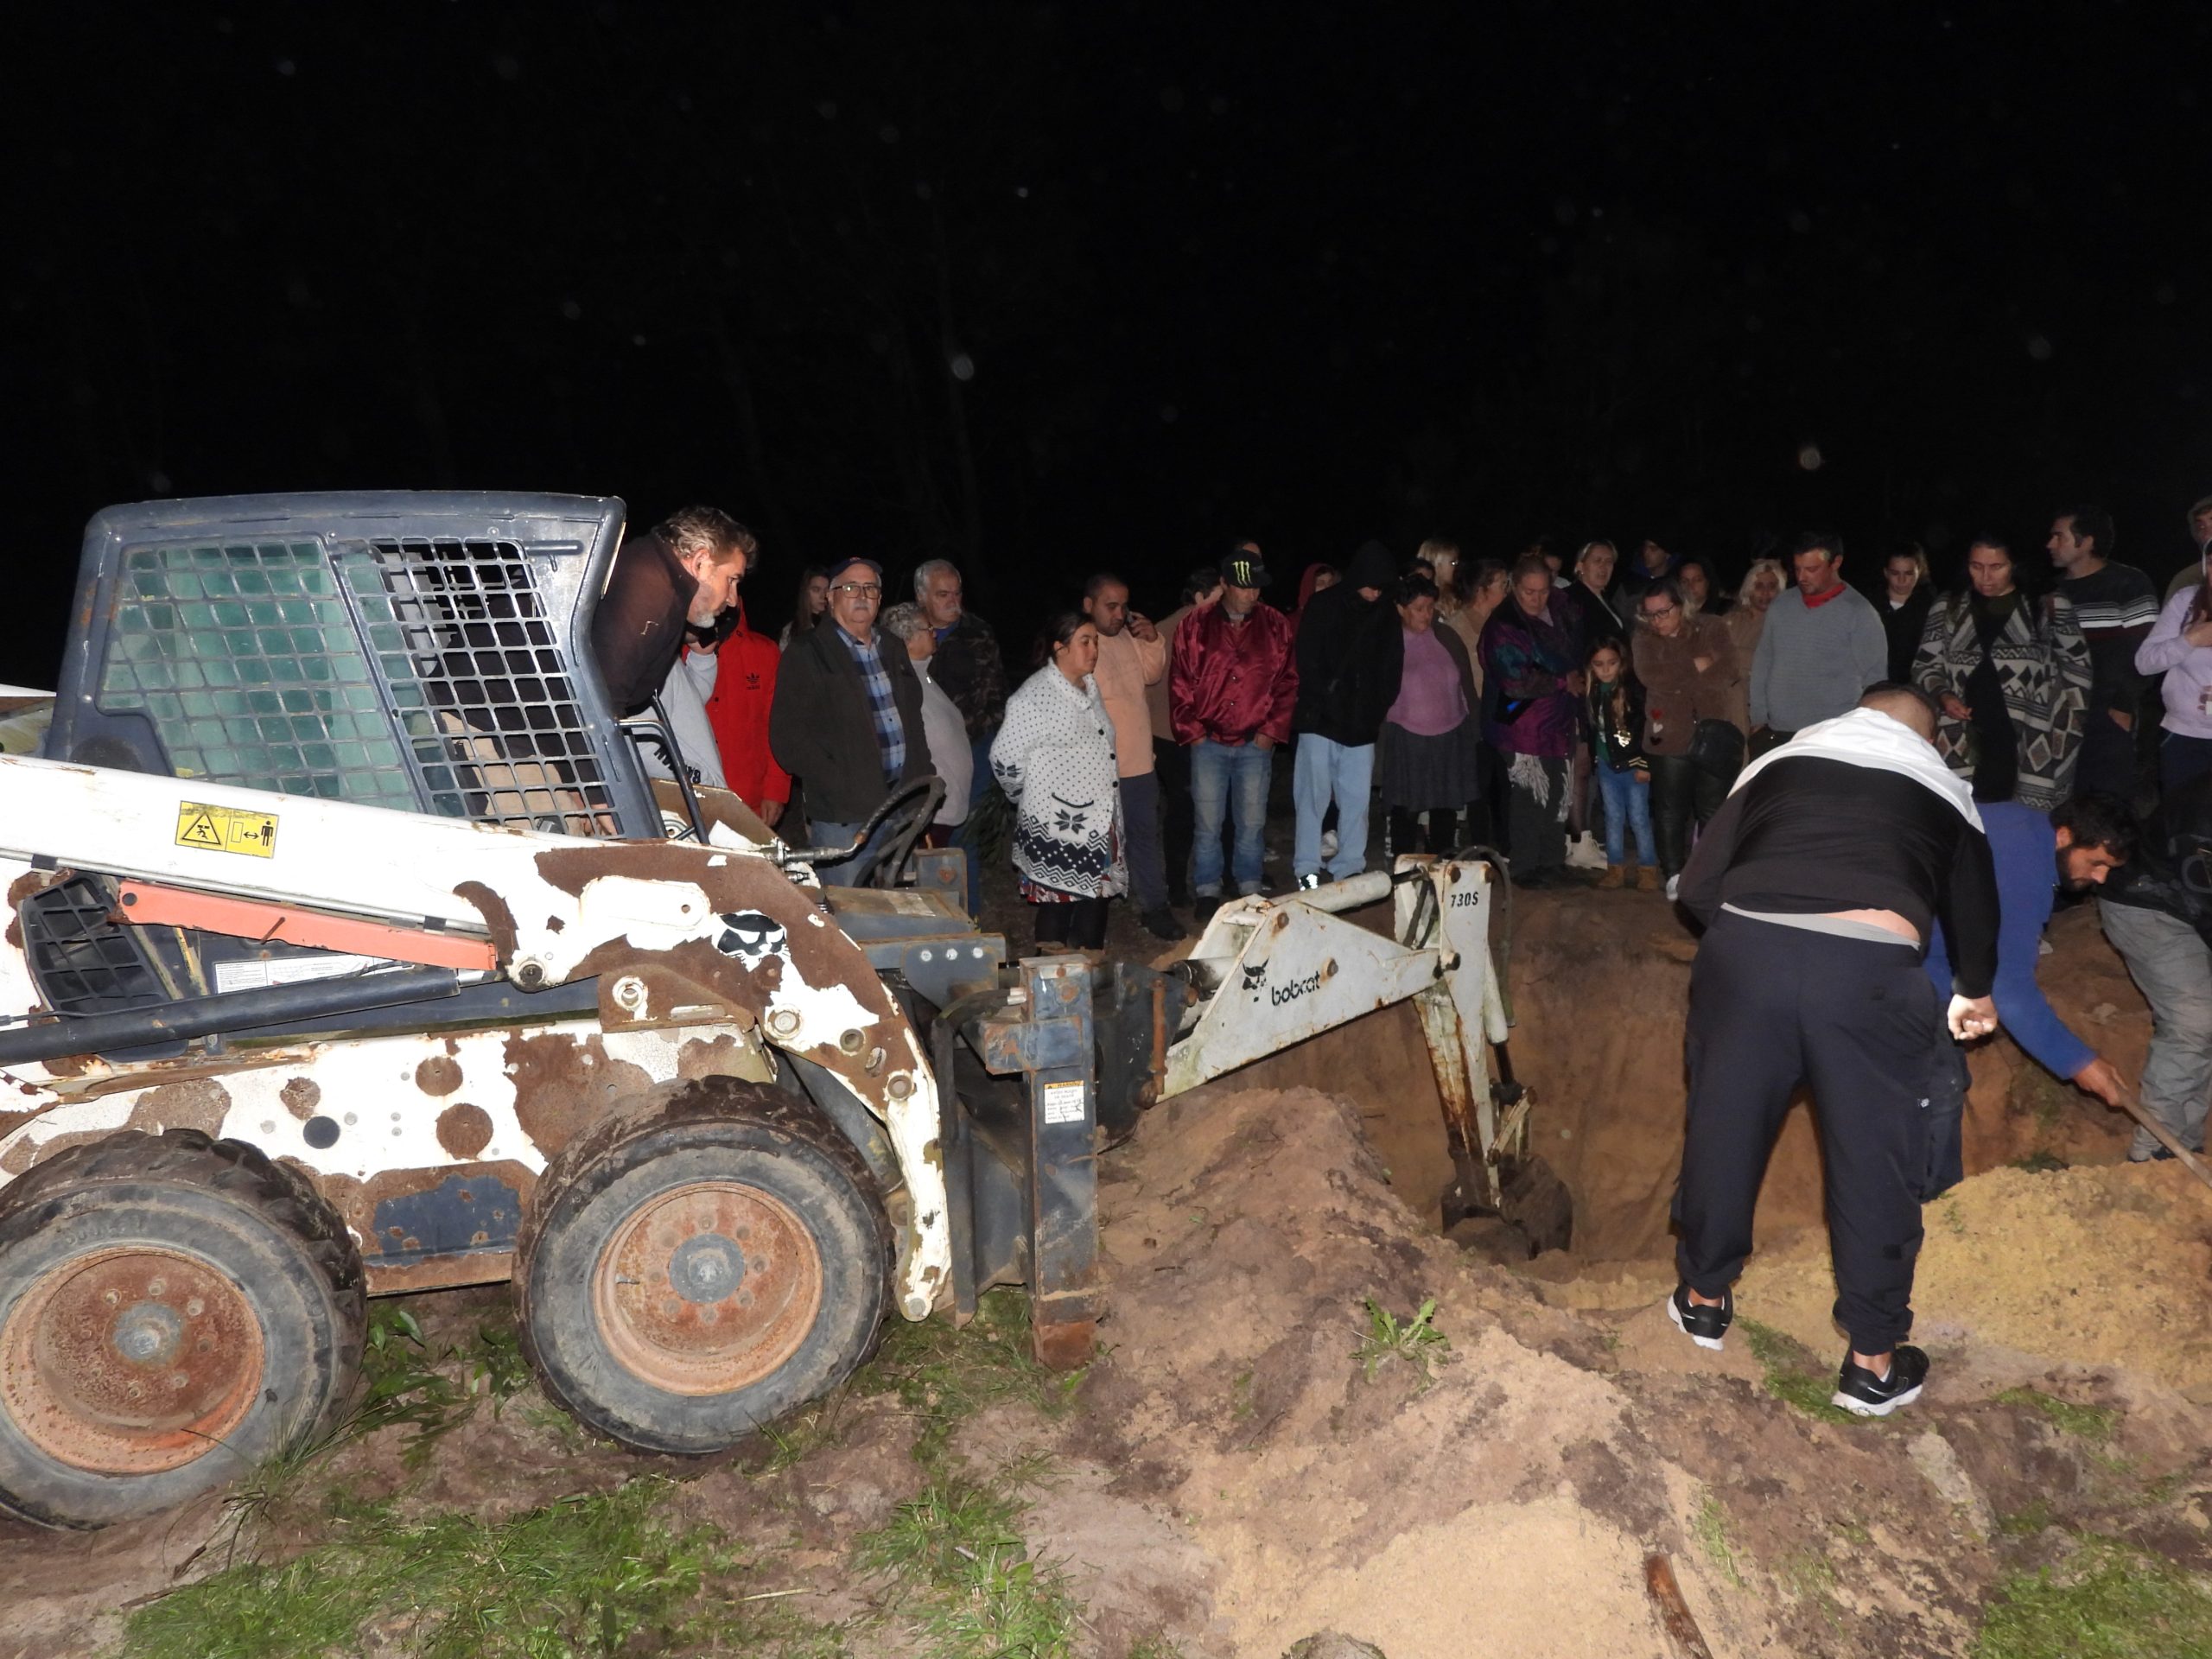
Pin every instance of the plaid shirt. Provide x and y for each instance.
(890, 734)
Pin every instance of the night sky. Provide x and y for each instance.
(1045, 287)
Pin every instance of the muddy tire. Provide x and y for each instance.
(173, 1310)
(686, 1275)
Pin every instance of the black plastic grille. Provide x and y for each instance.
(83, 961)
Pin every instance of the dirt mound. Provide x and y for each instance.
(1600, 986)
(2105, 1266)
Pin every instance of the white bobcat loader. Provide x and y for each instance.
(344, 955)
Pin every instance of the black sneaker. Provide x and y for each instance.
(1306, 883)
(1161, 925)
(1703, 1325)
(1203, 907)
(1859, 1390)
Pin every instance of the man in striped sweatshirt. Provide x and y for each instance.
(2115, 606)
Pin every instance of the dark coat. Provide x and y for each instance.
(1599, 615)
(1350, 652)
(968, 668)
(637, 628)
(1903, 627)
(820, 730)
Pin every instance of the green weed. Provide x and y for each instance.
(1416, 1341)
(2040, 1161)
(945, 1375)
(1710, 1527)
(588, 1574)
(1786, 1362)
(1809, 1576)
(2108, 1602)
(2026, 1522)
(2090, 1422)
(957, 1555)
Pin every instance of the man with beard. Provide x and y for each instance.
(1350, 649)
(2072, 849)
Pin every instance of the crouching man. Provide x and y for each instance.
(1819, 883)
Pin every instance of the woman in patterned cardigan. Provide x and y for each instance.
(1054, 759)
(2012, 676)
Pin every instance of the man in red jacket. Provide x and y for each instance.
(1232, 687)
(745, 686)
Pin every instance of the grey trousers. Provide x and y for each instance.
(1140, 822)
(2173, 969)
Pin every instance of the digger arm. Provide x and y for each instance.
(1271, 973)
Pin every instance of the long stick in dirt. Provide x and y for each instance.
(2166, 1138)
(1673, 1612)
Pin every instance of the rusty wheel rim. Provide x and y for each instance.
(131, 1361)
(708, 1288)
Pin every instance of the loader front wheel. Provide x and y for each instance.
(684, 1278)
(174, 1310)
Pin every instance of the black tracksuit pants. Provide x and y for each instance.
(1772, 1007)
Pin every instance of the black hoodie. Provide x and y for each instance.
(1350, 652)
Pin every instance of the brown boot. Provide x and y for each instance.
(1616, 875)
(1647, 879)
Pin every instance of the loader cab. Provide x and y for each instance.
(425, 652)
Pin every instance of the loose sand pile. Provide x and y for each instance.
(2110, 1265)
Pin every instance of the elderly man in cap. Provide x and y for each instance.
(847, 719)
(1232, 687)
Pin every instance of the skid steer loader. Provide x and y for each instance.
(349, 951)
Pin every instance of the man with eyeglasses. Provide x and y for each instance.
(847, 720)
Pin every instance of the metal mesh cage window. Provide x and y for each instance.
(246, 659)
(472, 659)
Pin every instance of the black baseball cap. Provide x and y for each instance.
(1245, 571)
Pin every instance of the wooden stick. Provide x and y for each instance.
(2166, 1138)
(1673, 1612)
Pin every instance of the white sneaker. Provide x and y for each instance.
(1328, 843)
(1584, 853)
(1673, 882)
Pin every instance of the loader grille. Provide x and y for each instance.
(84, 961)
(479, 683)
(424, 674)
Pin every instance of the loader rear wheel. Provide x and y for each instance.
(684, 1278)
(174, 1310)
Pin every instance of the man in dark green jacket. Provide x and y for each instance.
(847, 720)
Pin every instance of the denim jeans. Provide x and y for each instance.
(1323, 772)
(1140, 836)
(1230, 781)
(1628, 806)
(2172, 969)
(837, 834)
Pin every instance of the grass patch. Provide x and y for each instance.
(1788, 1376)
(2109, 1602)
(1710, 1527)
(1415, 1341)
(2026, 1522)
(944, 1375)
(2040, 1162)
(1811, 1577)
(960, 1565)
(2090, 1422)
(588, 1574)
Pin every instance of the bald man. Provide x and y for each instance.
(1820, 883)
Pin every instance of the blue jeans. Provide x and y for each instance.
(837, 834)
(1325, 770)
(1628, 806)
(1232, 780)
(965, 832)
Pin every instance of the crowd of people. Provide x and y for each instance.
(1818, 775)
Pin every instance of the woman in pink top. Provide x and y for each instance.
(1425, 761)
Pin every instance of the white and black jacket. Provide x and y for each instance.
(1054, 759)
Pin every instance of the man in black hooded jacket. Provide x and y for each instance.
(1351, 651)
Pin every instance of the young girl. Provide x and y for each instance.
(1624, 776)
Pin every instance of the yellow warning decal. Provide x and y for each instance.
(226, 830)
